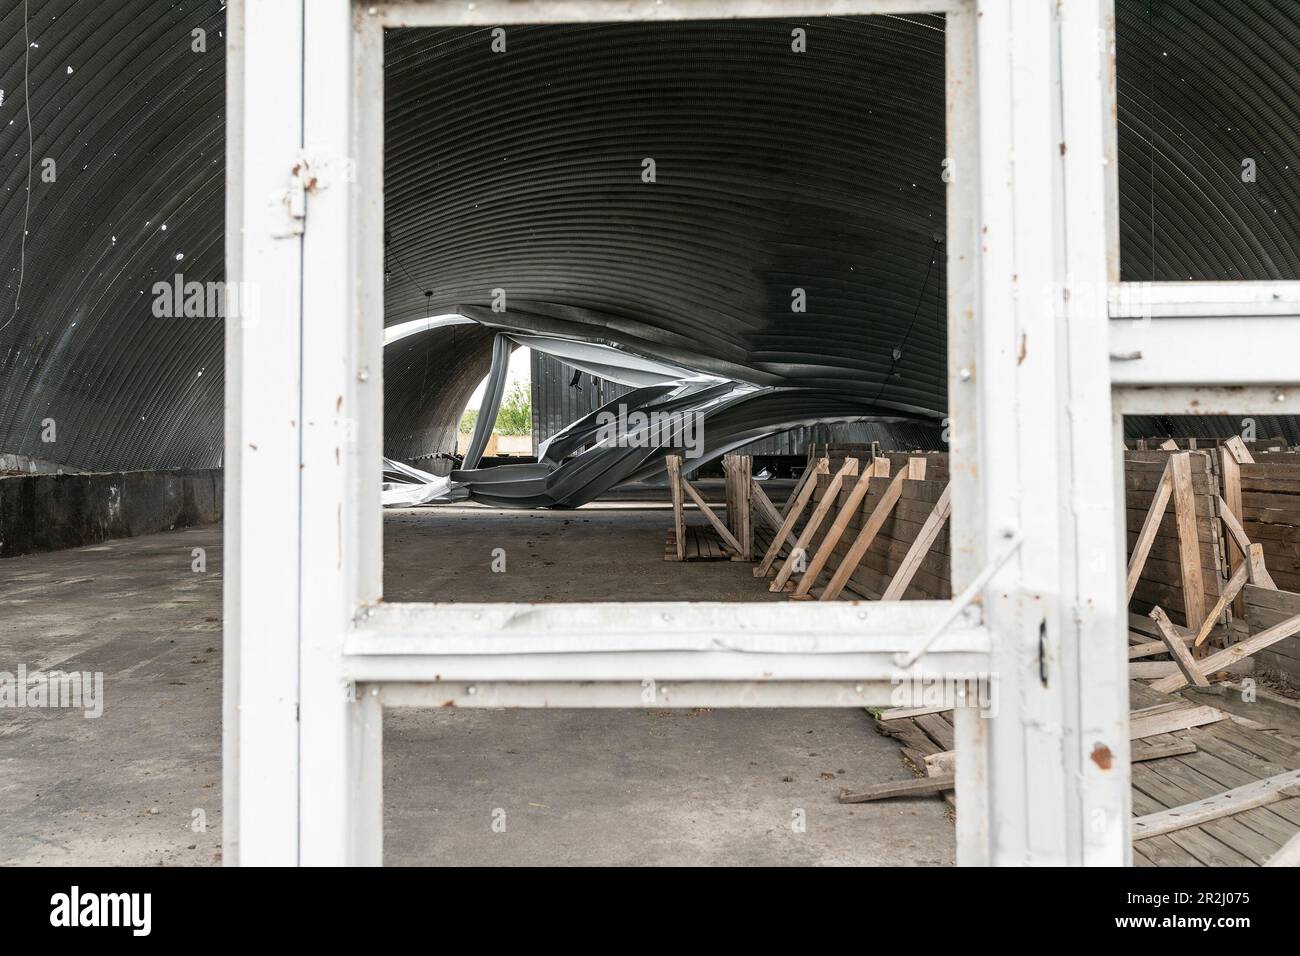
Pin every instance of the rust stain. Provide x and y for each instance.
(449, 703)
(1102, 756)
(1024, 339)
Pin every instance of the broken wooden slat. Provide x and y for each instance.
(1173, 720)
(848, 469)
(1247, 797)
(879, 515)
(792, 516)
(905, 788)
(1242, 649)
(1177, 649)
(1147, 536)
(1189, 550)
(920, 547)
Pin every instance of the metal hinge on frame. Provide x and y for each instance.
(290, 203)
(311, 172)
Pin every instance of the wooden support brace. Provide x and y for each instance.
(1259, 575)
(708, 512)
(811, 469)
(879, 515)
(1189, 547)
(1230, 591)
(766, 510)
(848, 469)
(791, 517)
(836, 531)
(920, 547)
(1182, 656)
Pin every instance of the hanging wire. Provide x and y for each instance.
(897, 354)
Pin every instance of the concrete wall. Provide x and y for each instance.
(49, 512)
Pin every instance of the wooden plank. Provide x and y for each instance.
(1230, 470)
(743, 469)
(763, 505)
(862, 542)
(898, 713)
(1150, 648)
(1150, 670)
(1235, 584)
(848, 469)
(835, 532)
(1236, 652)
(1160, 751)
(1257, 794)
(1173, 720)
(674, 463)
(940, 730)
(1258, 572)
(1149, 527)
(1178, 650)
(792, 516)
(708, 513)
(813, 467)
(1189, 553)
(917, 787)
(898, 585)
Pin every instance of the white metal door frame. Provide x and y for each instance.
(313, 654)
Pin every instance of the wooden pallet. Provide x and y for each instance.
(702, 544)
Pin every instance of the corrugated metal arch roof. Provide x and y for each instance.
(532, 183)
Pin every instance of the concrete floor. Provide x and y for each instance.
(142, 783)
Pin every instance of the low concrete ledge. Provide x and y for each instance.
(49, 512)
